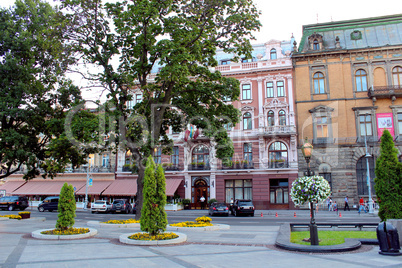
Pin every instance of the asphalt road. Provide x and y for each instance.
(269, 218)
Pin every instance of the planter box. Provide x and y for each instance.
(25, 216)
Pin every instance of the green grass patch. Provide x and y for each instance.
(329, 238)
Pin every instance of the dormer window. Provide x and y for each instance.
(315, 42)
(316, 45)
(225, 62)
(273, 54)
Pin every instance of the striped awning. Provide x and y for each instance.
(46, 187)
(12, 185)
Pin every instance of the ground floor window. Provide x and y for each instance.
(238, 189)
(279, 191)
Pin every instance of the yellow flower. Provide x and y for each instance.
(121, 221)
(147, 236)
(69, 231)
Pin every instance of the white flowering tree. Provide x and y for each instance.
(310, 189)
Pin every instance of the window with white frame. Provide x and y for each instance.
(246, 92)
(270, 89)
(365, 125)
(280, 88)
(282, 118)
(271, 118)
(397, 76)
(361, 80)
(247, 121)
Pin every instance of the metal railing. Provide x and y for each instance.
(385, 91)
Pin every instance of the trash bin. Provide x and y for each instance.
(388, 239)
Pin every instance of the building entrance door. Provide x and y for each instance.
(200, 189)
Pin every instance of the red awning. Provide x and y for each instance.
(12, 185)
(172, 185)
(96, 189)
(46, 187)
(122, 188)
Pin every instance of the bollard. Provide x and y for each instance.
(340, 215)
(294, 215)
(276, 214)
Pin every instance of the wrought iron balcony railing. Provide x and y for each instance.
(385, 92)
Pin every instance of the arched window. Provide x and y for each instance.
(319, 85)
(361, 174)
(271, 118)
(201, 155)
(278, 155)
(316, 45)
(361, 80)
(273, 54)
(397, 76)
(247, 123)
(282, 118)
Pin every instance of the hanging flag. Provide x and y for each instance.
(186, 134)
(196, 134)
(191, 132)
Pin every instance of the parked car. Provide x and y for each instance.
(50, 203)
(101, 206)
(121, 205)
(14, 202)
(218, 209)
(243, 207)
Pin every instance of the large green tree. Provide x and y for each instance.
(153, 216)
(34, 92)
(66, 208)
(166, 50)
(388, 181)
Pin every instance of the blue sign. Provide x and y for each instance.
(90, 182)
(75, 188)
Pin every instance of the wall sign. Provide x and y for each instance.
(385, 121)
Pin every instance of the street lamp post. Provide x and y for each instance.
(86, 187)
(307, 150)
(370, 202)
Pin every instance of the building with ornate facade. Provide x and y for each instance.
(348, 81)
(265, 160)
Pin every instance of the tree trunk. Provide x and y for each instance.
(140, 187)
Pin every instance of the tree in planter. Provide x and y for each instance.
(180, 39)
(66, 208)
(388, 186)
(153, 216)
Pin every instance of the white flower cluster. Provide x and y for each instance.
(309, 189)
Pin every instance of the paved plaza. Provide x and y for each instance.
(241, 246)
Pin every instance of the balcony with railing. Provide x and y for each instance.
(172, 167)
(233, 67)
(278, 164)
(237, 165)
(199, 166)
(385, 92)
(285, 130)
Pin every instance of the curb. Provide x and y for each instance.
(215, 227)
(283, 241)
(125, 240)
(37, 234)
(110, 225)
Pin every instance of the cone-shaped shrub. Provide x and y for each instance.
(388, 180)
(66, 208)
(153, 216)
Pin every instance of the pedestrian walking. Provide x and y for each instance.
(335, 206)
(202, 200)
(346, 204)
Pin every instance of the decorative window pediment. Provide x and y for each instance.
(321, 109)
(247, 108)
(315, 41)
(275, 104)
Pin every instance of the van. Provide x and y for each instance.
(49, 203)
(14, 202)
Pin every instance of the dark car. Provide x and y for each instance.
(14, 202)
(49, 203)
(219, 209)
(134, 208)
(243, 207)
(121, 205)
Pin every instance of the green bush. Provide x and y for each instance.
(213, 200)
(388, 179)
(153, 216)
(66, 208)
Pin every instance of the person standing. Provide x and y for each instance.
(346, 204)
(202, 200)
(361, 204)
(330, 208)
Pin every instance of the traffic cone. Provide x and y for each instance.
(276, 214)
(261, 214)
(340, 215)
(294, 215)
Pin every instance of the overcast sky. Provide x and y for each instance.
(282, 19)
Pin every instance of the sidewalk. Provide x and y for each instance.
(241, 246)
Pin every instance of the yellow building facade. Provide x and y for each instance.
(348, 88)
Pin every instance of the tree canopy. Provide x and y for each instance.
(165, 50)
(35, 94)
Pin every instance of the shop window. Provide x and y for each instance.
(238, 189)
(279, 191)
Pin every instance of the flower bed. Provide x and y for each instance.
(121, 221)
(69, 231)
(16, 217)
(199, 222)
(147, 236)
(168, 239)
